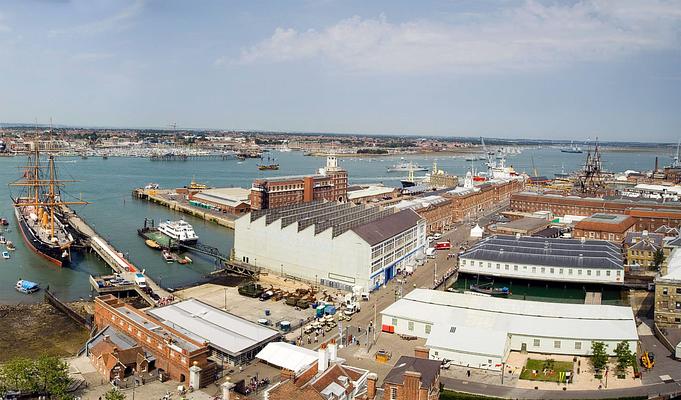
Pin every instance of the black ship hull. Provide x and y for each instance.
(406, 183)
(52, 253)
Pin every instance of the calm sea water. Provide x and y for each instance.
(107, 185)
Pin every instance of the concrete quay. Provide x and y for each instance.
(161, 197)
(114, 258)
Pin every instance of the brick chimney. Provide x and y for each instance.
(371, 386)
(412, 384)
(421, 352)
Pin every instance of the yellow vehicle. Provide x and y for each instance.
(648, 360)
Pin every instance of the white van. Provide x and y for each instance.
(430, 252)
(437, 236)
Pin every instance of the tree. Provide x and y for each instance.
(658, 258)
(114, 394)
(45, 375)
(53, 376)
(599, 357)
(624, 356)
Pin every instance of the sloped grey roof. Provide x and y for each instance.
(377, 231)
(551, 252)
(429, 370)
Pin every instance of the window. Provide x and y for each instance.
(543, 270)
(618, 273)
(515, 267)
(578, 345)
(598, 272)
(411, 325)
(480, 263)
(506, 267)
(569, 271)
(556, 344)
(607, 273)
(560, 271)
(463, 262)
(536, 343)
(534, 270)
(427, 328)
(551, 270)
(678, 290)
(665, 290)
(588, 272)
(393, 393)
(489, 265)
(579, 272)
(394, 321)
(678, 305)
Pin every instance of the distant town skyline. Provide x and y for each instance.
(556, 70)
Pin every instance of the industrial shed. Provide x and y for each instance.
(232, 338)
(480, 331)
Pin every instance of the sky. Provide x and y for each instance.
(511, 69)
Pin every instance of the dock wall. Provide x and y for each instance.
(175, 206)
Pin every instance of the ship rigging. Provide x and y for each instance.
(39, 208)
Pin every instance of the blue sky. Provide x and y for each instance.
(533, 69)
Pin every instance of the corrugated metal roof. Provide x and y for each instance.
(568, 253)
(227, 332)
(377, 231)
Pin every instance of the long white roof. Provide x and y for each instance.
(221, 329)
(673, 266)
(286, 355)
(467, 339)
(542, 319)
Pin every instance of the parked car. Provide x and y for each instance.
(437, 236)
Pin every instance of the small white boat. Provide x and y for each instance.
(27, 287)
(2, 239)
(167, 256)
(5, 255)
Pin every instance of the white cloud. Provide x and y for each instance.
(532, 35)
(118, 21)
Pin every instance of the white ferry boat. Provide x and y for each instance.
(406, 167)
(180, 231)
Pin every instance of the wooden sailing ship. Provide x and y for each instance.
(38, 209)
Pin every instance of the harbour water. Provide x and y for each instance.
(107, 184)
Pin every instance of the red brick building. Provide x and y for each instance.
(174, 352)
(468, 203)
(611, 227)
(649, 215)
(113, 362)
(413, 378)
(330, 185)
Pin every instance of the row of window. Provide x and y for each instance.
(665, 290)
(543, 270)
(389, 258)
(557, 344)
(387, 246)
(150, 341)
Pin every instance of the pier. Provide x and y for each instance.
(114, 258)
(158, 196)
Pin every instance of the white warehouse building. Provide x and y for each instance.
(336, 244)
(545, 259)
(480, 331)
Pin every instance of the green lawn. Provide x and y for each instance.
(552, 375)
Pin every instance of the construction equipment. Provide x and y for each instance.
(648, 360)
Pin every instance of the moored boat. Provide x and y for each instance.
(490, 290)
(10, 245)
(38, 210)
(167, 256)
(4, 222)
(27, 287)
(179, 231)
(152, 243)
(5, 255)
